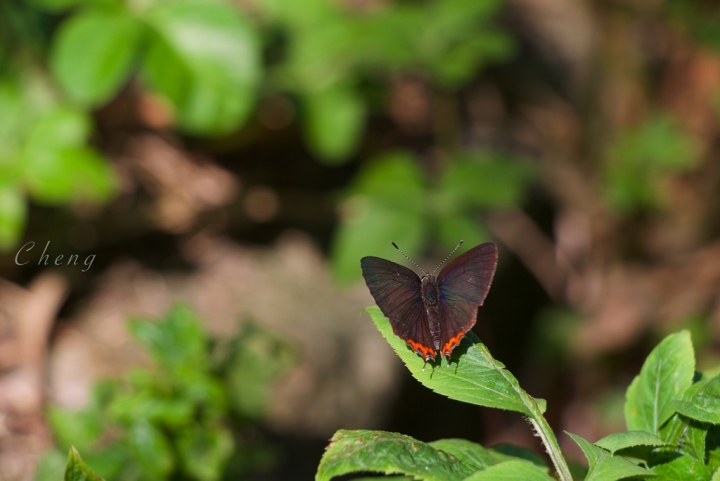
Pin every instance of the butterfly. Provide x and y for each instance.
(431, 314)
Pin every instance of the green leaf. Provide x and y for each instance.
(628, 439)
(703, 406)
(68, 174)
(510, 471)
(150, 449)
(606, 467)
(16, 115)
(205, 60)
(454, 228)
(259, 359)
(334, 120)
(205, 451)
(473, 377)
(393, 179)
(112, 461)
(388, 453)
(149, 405)
(483, 180)
(473, 455)
(386, 207)
(62, 5)
(639, 158)
(175, 341)
(93, 54)
(666, 374)
(693, 440)
(52, 461)
(712, 448)
(82, 428)
(689, 435)
(77, 470)
(518, 452)
(384, 478)
(56, 165)
(684, 431)
(13, 212)
(673, 465)
(59, 127)
(462, 61)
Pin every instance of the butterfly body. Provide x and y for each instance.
(432, 314)
(430, 296)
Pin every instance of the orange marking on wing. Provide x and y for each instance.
(451, 344)
(424, 351)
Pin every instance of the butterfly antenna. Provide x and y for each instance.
(408, 258)
(448, 257)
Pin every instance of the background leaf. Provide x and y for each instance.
(484, 180)
(56, 165)
(151, 449)
(175, 341)
(188, 62)
(13, 212)
(69, 174)
(386, 206)
(204, 452)
(335, 118)
(55, 5)
(93, 54)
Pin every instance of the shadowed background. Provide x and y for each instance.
(218, 168)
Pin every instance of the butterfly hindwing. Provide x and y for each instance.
(396, 290)
(463, 285)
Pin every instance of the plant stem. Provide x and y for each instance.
(535, 415)
(551, 445)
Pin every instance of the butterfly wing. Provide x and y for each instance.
(396, 290)
(463, 285)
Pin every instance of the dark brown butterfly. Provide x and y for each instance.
(432, 314)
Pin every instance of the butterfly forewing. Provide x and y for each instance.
(463, 285)
(396, 290)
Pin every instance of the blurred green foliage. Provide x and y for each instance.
(44, 152)
(640, 159)
(210, 62)
(330, 49)
(392, 199)
(699, 18)
(181, 419)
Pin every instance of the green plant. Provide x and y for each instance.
(672, 414)
(77, 470)
(208, 62)
(392, 199)
(639, 160)
(180, 420)
(331, 49)
(44, 152)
